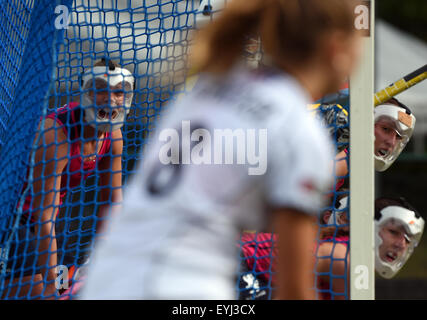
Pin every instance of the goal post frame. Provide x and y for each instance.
(362, 181)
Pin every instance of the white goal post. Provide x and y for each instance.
(362, 183)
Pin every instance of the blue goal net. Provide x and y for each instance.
(58, 185)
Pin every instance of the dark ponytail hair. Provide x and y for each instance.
(105, 61)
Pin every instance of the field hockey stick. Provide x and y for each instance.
(400, 85)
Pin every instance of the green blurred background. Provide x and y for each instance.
(408, 15)
(408, 175)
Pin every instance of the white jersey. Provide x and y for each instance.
(176, 237)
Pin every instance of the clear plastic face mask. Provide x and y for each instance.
(100, 86)
(396, 243)
(388, 132)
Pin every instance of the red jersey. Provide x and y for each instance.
(70, 118)
(259, 251)
(340, 182)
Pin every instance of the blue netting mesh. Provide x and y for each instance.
(331, 251)
(27, 61)
(41, 71)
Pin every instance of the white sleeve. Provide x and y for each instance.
(300, 166)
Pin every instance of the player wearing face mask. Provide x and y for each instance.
(394, 125)
(107, 97)
(73, 143)
(398, 231)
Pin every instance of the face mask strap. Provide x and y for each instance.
(407, 110)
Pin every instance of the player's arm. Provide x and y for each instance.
(298, 176)
(337, 255)
(341, 164)
(296, 235)
(50, 160)
(111, 179)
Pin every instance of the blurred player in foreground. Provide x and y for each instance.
(398, 230)
(184, 208)
(77, 141)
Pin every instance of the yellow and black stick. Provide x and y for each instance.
(400, 85)
(380, 97)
